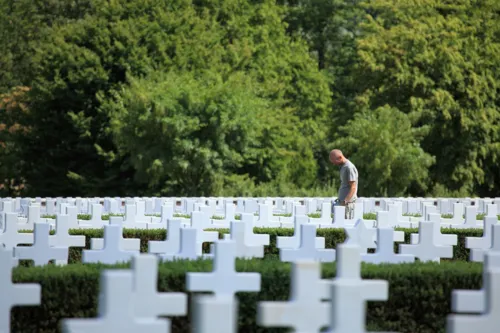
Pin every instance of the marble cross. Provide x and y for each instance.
(41, 252)
(18, 294)
(116, 310)
(223, 281)
(305, 312)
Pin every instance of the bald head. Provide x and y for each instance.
(336, 157)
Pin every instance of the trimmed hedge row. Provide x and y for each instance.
(332, 238)
(419, 294)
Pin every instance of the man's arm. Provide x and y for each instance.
(352, 190)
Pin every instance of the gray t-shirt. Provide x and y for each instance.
(348, 172)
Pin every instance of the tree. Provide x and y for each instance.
(12, 106)
(190, 135)
(80, 59)
(385, 149)
(437, 61)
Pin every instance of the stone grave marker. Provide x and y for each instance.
(214, 314)
(237, 233)
(148, 302)
(41, 252)
(486, 302)
(167, 212)
(483, 242)
(385, 249)
(116, 309)
(112, 251)
(189, 248)
(266, 217)
(305, 311)
(128, 244)
(361, 236)
(251, 238)
(170, 245)
(383, 222)
(427, 248)
(325, 218)
(471, 220)
(307, 248)
(201, 221)
(134, 216)
(491, 210)
(50, 206)
(72, 213)
(349, 292)
(19, 294)
(457, 218)
(293, 242)
(62, 238)
(11, 237)
(441, 239)
(223, 281)
(477, 255)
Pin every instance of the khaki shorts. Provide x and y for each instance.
(349, 210)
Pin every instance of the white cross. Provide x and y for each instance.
(383, 220)
(148, 302)
(237, 233)
(13, 294)
(223, 280)
(426, 249)
(72, 212)
(472, 301)
(215, 314)
(478, 254)
(307, 248)
(293, 242)
(385, 249)
(350, 293)
(439, 238)
(305, 312)
(112, 252)
(252, 239)
(485, 241)
(188, 246)
(96, 220)
(41, 252)
(10, 238)
(170, 245)
(116, 310)
(360, 235)
(128, 244)
(201, 221)
(266, 217)
(62, 236)
(489, 320)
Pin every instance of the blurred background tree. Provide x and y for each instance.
(222, 97)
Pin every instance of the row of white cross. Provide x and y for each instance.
(135, 215)
(148, 205)
(129, 300)
(185, 242)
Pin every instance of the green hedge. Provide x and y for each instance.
(419, 294)
(332, 238)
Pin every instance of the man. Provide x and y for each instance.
(348, 182)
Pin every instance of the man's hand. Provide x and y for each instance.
(351, 192)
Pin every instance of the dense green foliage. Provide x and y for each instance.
(419, 294)
(227, 97)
